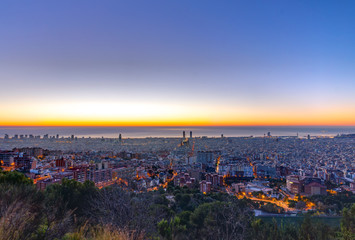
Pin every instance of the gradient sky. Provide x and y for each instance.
(182, 62)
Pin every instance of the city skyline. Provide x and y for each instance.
(182, 63)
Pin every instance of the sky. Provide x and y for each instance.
(177, 63)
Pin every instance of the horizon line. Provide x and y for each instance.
(239, 125)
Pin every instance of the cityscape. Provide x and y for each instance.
(240, 166)
(280, 176)
(177, 120)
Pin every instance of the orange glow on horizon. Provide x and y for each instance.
(116, 114)
(174, 124)
(186, 122)
(194, 122)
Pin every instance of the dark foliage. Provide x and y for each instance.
(74, 210)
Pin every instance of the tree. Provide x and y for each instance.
(164, 229)
(14, 177)
(184, 201)
(275, 233)
(172, 230)
(135, 213)
(21, 206)
(313, 229)
(348, 223)
(222, 220)
(300, 205)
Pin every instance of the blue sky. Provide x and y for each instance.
(228, 60)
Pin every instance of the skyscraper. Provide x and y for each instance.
(190, 134)
(120, 137)
(183, 134)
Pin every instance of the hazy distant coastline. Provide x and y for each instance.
(139, 132)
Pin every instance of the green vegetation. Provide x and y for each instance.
(74, 210)
(272, 208)
(333, 222)
(334, 204)
(14, 177)
(348, 223)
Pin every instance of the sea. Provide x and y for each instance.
(143, 132)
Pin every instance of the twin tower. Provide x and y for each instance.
(184, 135)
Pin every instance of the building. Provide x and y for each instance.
(23, 161)
(352, 186)
(60, 175)
(102, 175)
(205, 157)
(184, 179)
(294, 184)
(205, 186)
(265, 171)
(238, 187)
(124, 173)
(215, 179)
(35, 151)
(60, 162)
(43, 184)
(315, 188)
(305, 185)
(7, 158)
(81, 173)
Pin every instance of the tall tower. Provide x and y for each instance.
(183, 134)
(190, 134)
(120, 137)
